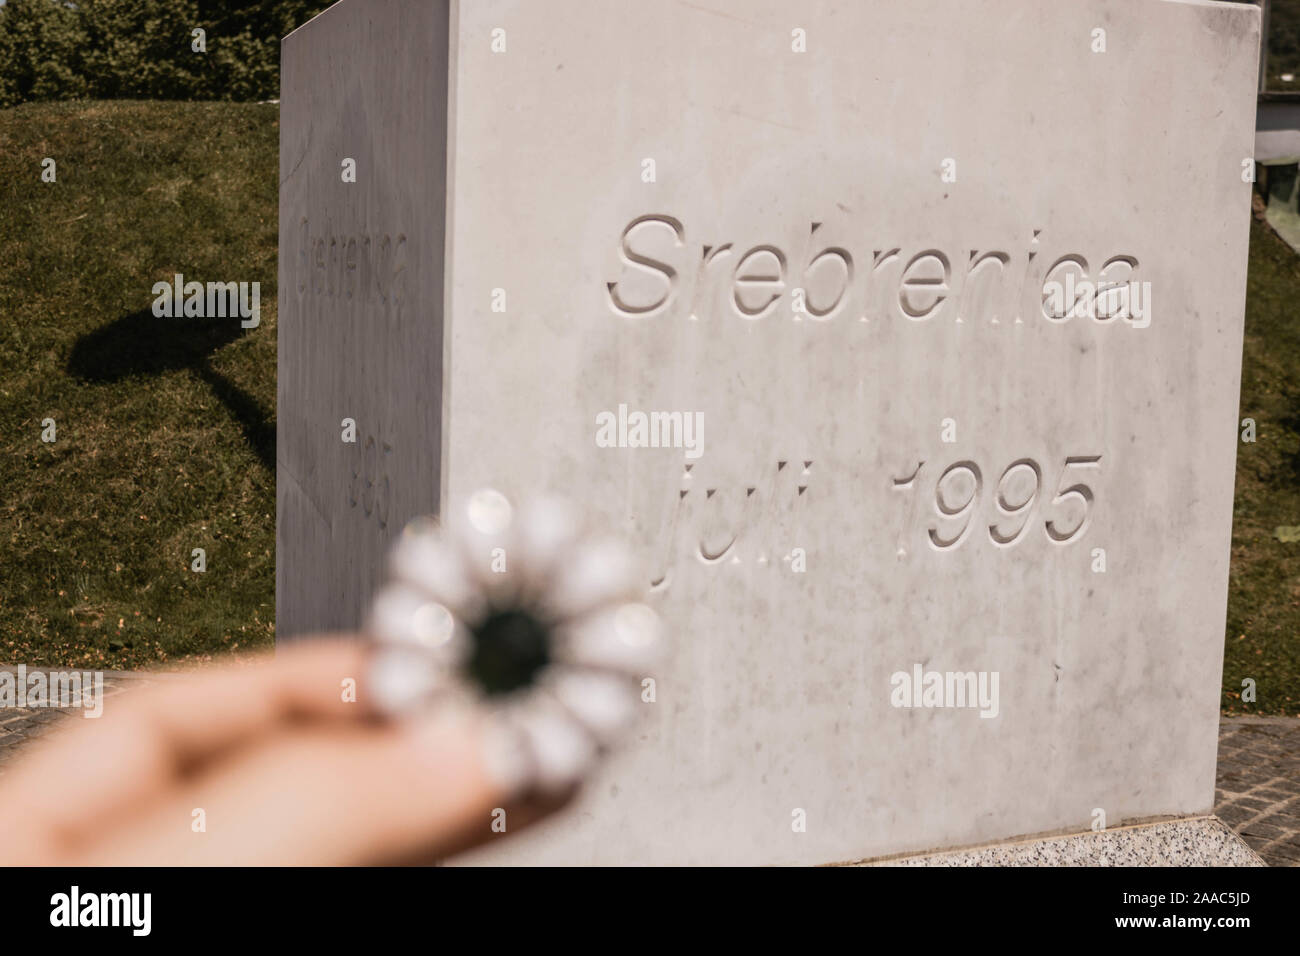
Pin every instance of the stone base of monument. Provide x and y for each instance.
(1194, 841)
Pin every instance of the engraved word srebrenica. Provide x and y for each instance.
(923, 283)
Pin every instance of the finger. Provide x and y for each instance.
(343, 796)
(85, 778)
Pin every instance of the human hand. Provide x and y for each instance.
(285, 771)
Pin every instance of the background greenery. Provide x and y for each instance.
(57, 50)
(1283, 44)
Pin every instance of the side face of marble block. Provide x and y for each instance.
(656, 188)
(360, 300)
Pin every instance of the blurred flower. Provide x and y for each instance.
(526, 615)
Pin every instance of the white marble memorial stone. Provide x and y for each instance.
(901, 340)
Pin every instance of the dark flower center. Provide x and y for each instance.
(510, 648)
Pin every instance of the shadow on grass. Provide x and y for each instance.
(141, 343)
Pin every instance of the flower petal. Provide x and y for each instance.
(625, 638)
(560, 747)
(404, 615)
(507, 758)
(401, 677)
(597, 573)
(439, 570)
(545, 534)
(604, 703)
(484, 533)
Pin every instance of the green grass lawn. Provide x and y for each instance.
(1263, 633)
(165, 427)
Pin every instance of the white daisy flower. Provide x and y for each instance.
(523, 613)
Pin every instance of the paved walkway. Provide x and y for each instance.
(1257, 790)
(1258, 784)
